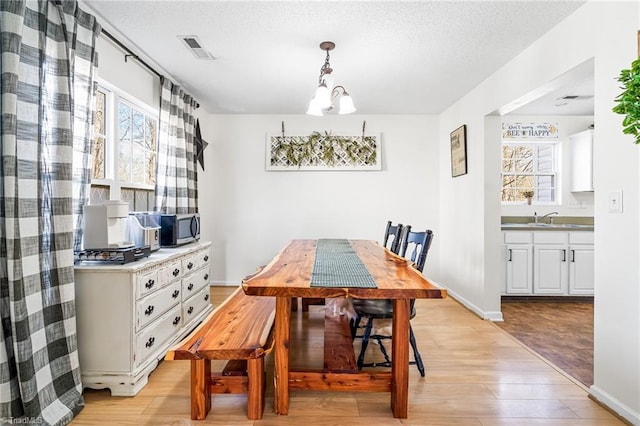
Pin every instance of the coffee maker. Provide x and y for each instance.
(105, 226)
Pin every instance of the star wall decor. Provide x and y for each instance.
(201, 145)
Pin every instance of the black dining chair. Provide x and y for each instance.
(372, 309)
(394, 231)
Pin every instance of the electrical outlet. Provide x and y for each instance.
(615, 201)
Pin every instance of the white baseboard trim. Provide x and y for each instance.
(224, 283)
(614, 405)
(486, 315)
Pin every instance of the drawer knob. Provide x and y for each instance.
(176, 320)
(206, 297)
(189, 265)
(150, 283)
(190, 310)
(190, 286)
(150, 342)
(206, 258)
(149, 310)
(176, 272)
(175, 294)
(206, 277)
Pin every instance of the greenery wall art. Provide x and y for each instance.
(323, 151)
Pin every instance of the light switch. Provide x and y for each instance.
(615, 201)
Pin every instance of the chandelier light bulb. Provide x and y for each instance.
(323, 96)
(314, 108)
(346, 104)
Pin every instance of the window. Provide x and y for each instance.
(124, 149)
(529, 167)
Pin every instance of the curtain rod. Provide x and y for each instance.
(136, 57)
(130, 53)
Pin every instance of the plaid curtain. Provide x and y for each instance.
(48, 60)
(177, 176)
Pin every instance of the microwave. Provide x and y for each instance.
(178, 229)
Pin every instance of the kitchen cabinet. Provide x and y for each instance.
(518, 255)
(581, 157)
(548, 263)
(129, 315)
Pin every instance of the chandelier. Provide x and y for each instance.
(326, 92)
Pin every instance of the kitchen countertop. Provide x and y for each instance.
(547, 222)
(545, 227)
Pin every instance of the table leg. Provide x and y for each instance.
(281, 354)
(400, 359)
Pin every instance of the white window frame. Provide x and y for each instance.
(555, 173)
(112, 100)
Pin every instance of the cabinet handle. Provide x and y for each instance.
(573, 255)
(176, 320)
(150, 284)
(206, 258)
(509, 255)
(175, 293)
(190, 286)
(564, 255)
(206, 297)
(190, 309)
(189, 265)
(176, 272)
(150, 342)
(206, 277)
(149, 310)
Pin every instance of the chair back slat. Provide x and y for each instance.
(421, 243)
(394, 231)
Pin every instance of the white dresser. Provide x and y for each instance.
(129, 315)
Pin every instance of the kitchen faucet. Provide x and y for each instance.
(537, 218)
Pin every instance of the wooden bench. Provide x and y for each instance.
(238, 330)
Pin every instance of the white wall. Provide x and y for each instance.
(605, 31)
(250, 213)
(567, 125)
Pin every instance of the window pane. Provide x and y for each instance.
(124, 142)
(138, 164)
(151, 169)
(138, 128)
(98, 137)
(528, 167)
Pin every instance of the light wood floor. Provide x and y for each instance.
(477, 374)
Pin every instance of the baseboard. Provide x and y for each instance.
(224, 283)
(486, 315)
(614, 405)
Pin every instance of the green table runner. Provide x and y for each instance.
(338, 265)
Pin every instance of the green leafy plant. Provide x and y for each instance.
(628, 102)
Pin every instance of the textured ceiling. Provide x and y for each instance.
(394, 57)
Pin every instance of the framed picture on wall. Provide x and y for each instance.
(459, 151)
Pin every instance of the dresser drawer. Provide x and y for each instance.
(170, 272)
(195, 261)
(154, 305)
(192, 283)
(192, 307)
(147, 282)
(151, 339)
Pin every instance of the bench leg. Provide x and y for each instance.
(256, 388)
(200, 389)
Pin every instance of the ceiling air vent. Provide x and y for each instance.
(193, 44)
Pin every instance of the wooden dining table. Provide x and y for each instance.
(289, 276)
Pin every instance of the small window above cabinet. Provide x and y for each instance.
(581, 178)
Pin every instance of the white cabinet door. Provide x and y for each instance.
(518, 269)
(581, 276)
(550, 271)
(581, 177)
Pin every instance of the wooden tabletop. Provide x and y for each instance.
(289, 275)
